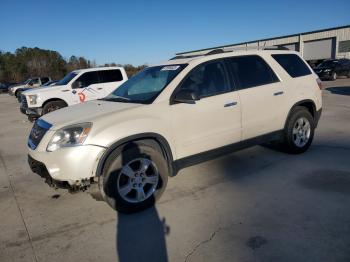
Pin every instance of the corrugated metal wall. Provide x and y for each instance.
(300, 43)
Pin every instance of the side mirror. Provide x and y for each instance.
(78, 84)
(186, 96)
(30, 84)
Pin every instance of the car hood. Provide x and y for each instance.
(43, 89)
(324, 67)
(17, 86)
(85, 112)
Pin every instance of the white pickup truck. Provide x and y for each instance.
(31, 82)
(76, 87)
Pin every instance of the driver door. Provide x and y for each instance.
(214, 120)
(87, 87)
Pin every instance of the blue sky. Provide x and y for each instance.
(140, 32)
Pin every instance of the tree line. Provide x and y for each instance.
(28, 62)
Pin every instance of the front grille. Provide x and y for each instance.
(37, 133)
(24, 102)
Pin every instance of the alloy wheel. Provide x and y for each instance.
(138, 180)
(301, 132)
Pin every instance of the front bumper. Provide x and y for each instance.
(70, 165)
(33, 112)
(324, 75)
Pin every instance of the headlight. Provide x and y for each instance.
(32, 99)
(69, 136)
(326, 70)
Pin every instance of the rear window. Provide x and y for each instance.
(110, 75)
(294, 66)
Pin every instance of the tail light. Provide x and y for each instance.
(319, 83)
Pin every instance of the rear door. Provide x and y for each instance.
(261, 93)
(111, 79)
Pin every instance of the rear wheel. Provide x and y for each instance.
(298, 132)
(334, 76)
(53, 106)
(134, 177)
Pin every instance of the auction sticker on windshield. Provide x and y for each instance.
(170, 68)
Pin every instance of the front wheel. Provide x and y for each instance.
(53, 106)
(298, 132)
(134, 177)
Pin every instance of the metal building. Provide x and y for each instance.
(314, 46)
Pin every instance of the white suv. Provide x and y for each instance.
(178, 113)
(76, 87)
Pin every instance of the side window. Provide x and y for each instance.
(208, 79)
(294, 66)
(87, 79)
(251, 71)
(44, 80)
(34, 81)
(110, 75)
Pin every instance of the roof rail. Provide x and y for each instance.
(215, 51)
(230, 49)
(183, 57)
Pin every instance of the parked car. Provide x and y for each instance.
(5, 86)
(332, 68)
(32, 82)
(76, 87)
(175, 114)
(21, 90)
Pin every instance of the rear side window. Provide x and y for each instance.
(110, 76)
(294, 66)
(251, 71)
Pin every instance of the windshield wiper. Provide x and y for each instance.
(116, 99)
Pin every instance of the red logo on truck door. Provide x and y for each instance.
(81, 97)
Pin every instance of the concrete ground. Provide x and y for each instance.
(253, 205)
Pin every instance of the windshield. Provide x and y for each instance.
(329, 63)
(65, 80)
(145, 86)
(27, 81)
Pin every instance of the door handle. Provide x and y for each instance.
(230, 104)
(278, 93)
(99, 88)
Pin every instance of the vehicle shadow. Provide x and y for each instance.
(339, 90)
(141, 237)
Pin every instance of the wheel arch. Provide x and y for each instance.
(157, 138)
(52, 100)
(308, 104)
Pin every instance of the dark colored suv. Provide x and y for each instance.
(332, 68)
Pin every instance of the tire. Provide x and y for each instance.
(53, 106)
(300, 128)
(334, 76)
(32, 119)
(121, 191)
